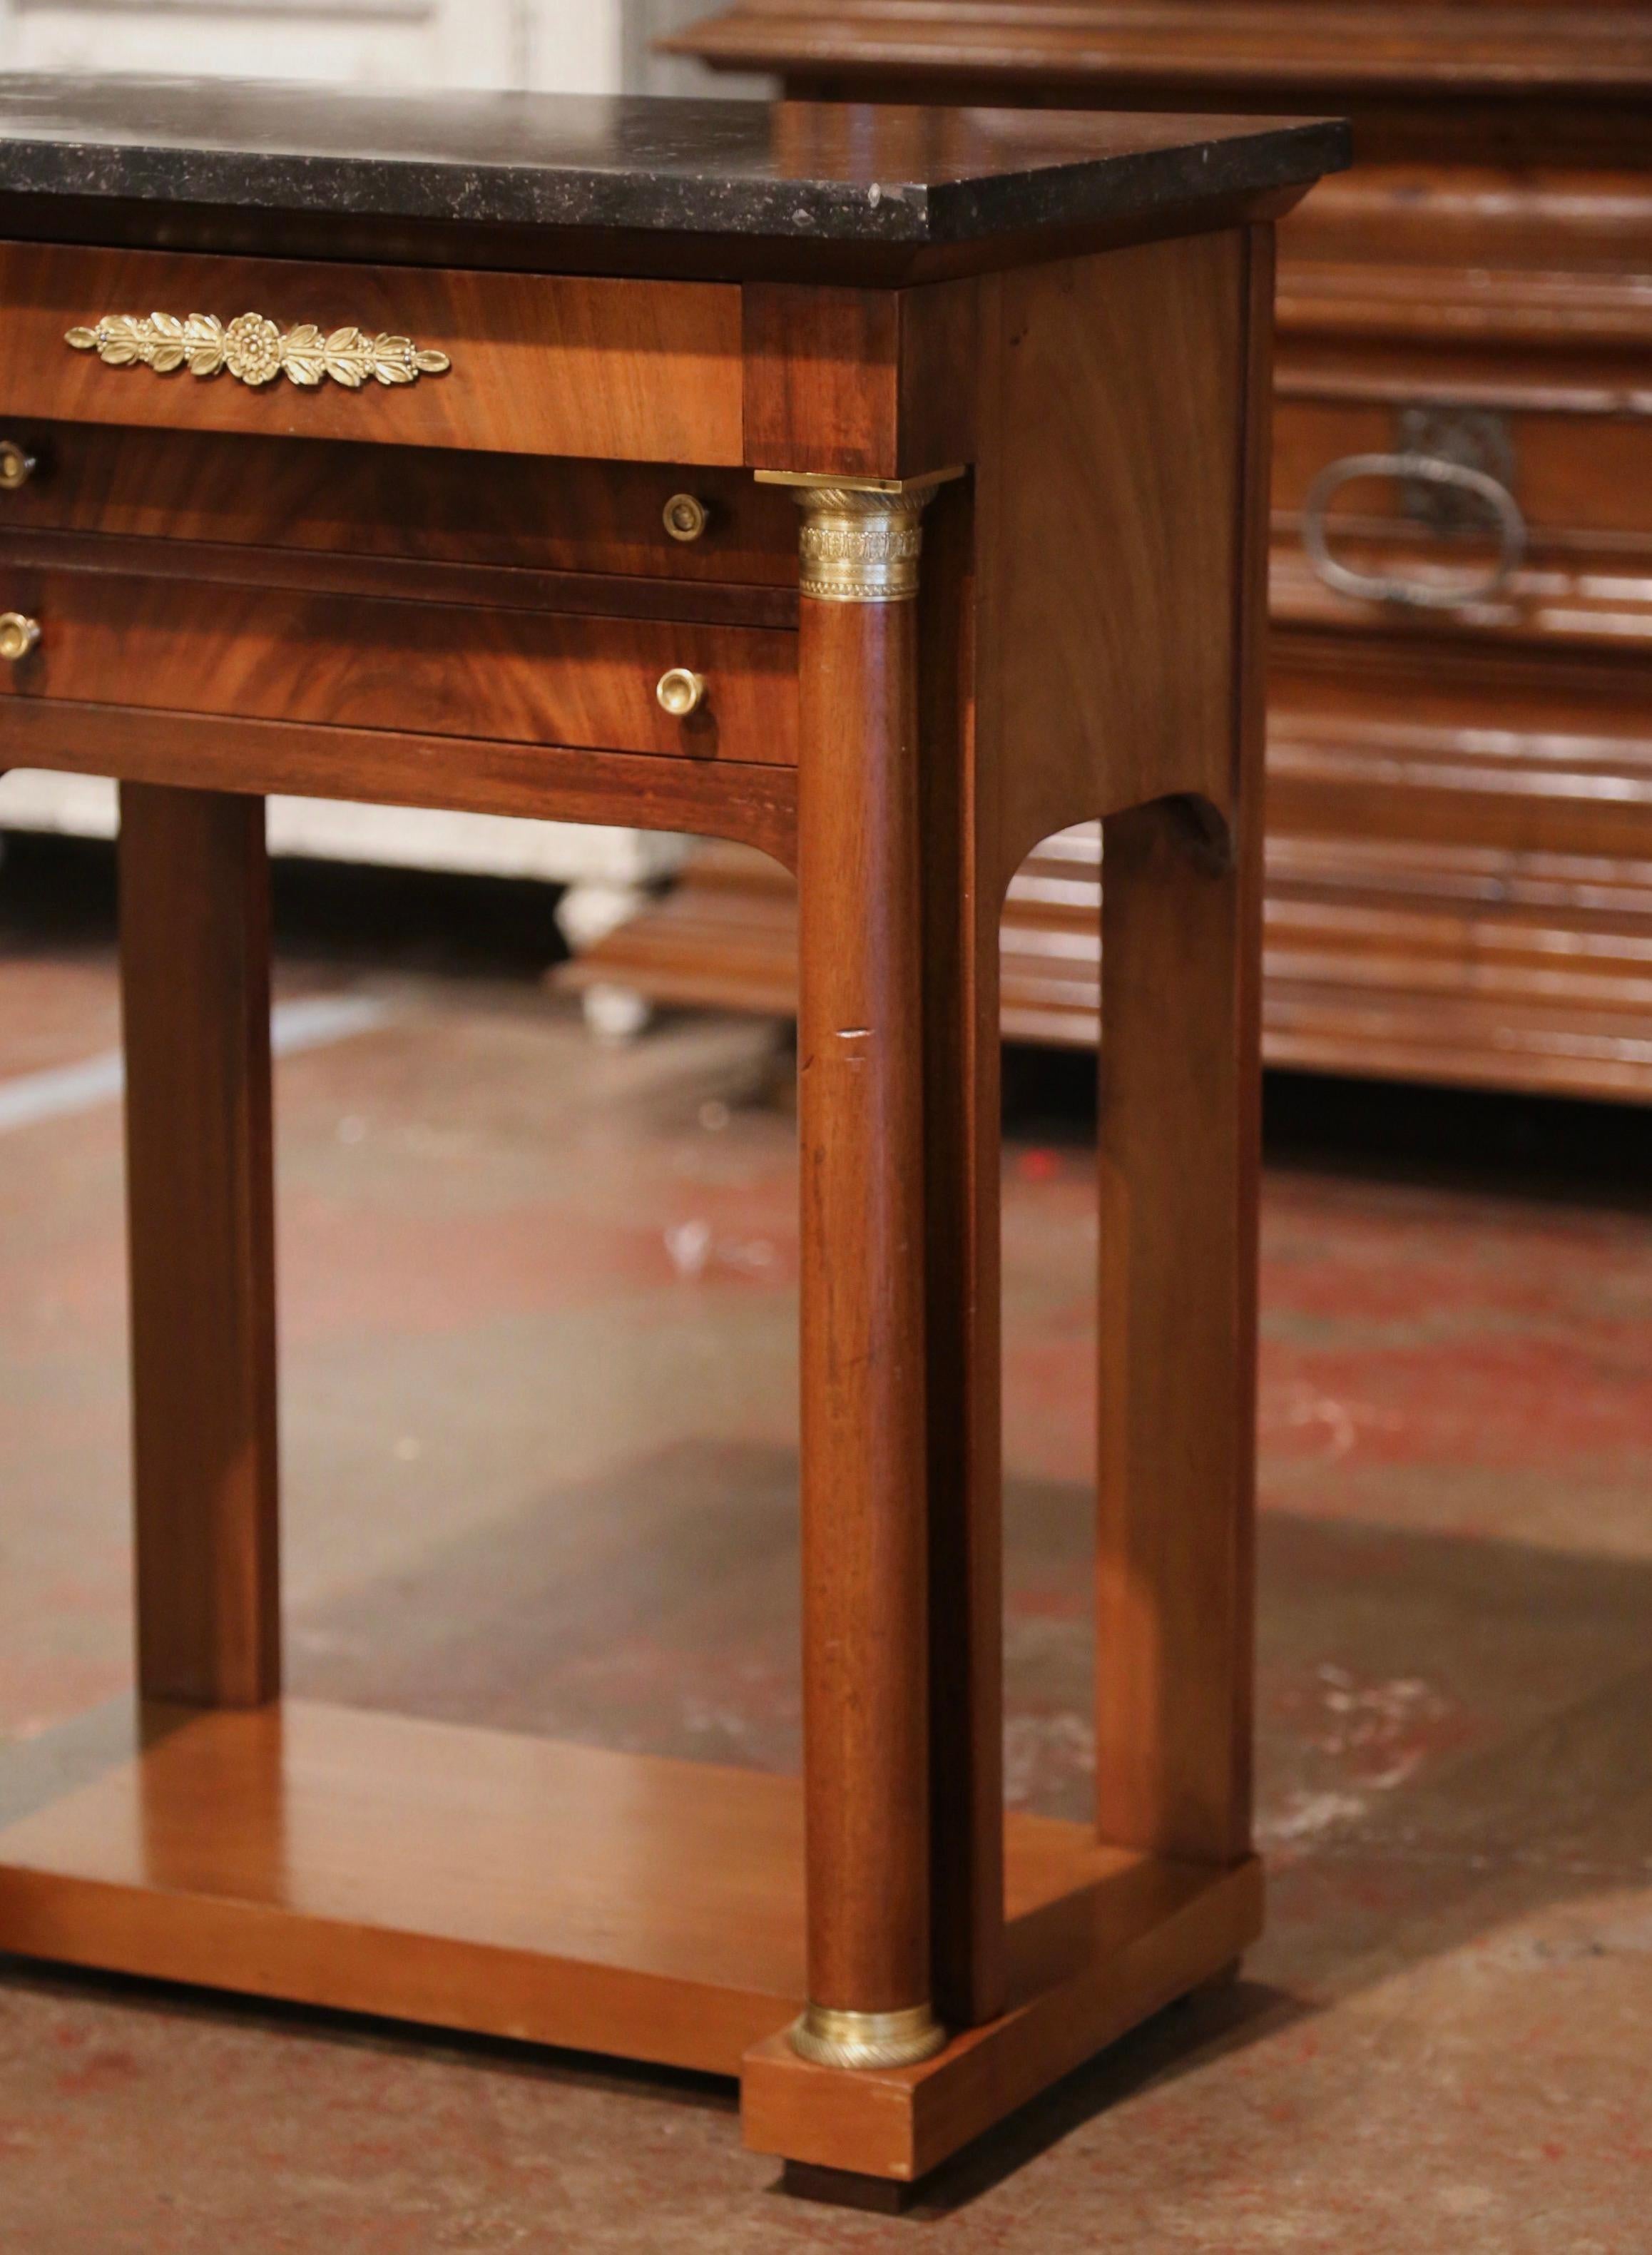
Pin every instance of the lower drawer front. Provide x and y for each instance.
(516, 676)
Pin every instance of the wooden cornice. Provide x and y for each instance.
(1372, 48)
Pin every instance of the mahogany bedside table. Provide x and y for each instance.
(885, 488)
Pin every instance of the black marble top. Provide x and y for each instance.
(829, 173)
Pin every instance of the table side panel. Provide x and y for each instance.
(1110, 471)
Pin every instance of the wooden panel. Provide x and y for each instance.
(195, 998)
(1180, 1135)
(461, 1878)
(435, 505)
(639, 371)
(488, 587)
(821, 388)
(863, 384)
(1598, 606)
(287, 654)
(1108, 467)
(1577, 475)
(716, 797)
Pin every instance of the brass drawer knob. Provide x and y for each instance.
(685, 516)
(18, 466)
(680, 693)
(18, 636)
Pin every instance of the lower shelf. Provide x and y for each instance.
(562, 1894)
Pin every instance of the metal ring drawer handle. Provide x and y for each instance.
(1429, 469)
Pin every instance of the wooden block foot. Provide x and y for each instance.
(1084, 1968)
(846, 2189)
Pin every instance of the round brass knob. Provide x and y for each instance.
(18, 636)
(18, 466)
(680, 693)
(685, 516)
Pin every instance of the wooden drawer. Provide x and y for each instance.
(546, 513)
(1579, 479)
(540, 364)
(294, 654)
(1580, 482)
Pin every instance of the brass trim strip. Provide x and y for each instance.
(254, 350)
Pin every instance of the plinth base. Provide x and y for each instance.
(567, 1895)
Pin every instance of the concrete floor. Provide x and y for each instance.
(540, 1446)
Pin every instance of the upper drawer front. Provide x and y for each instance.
(540, 364)
(1577, 478)
(437, 506)
(272, 653)
(1525, 524)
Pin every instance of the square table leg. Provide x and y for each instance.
(194, 926)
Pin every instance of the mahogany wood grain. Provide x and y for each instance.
(1179, 1088)
(1180, 1128)
(862, 1227)
(1109, 399)
(963, 1291)
(756, 804)
(1581, 478)
(623, 370)
(1461, 47)
(1501, 81)
(509, 1885)
(870, 383)
(486, 587)
(195, 1001)
(290, 653)
(1144, 1933)
(331, 498)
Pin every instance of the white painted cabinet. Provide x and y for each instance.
(576, 45)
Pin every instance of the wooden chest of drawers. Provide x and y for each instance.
(1459, 848)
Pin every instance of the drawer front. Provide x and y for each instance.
(435, 505)
(1554, 544)
(516, 676)
(538, 364)
(1578, 479)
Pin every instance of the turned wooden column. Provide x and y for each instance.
(861, 1124)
